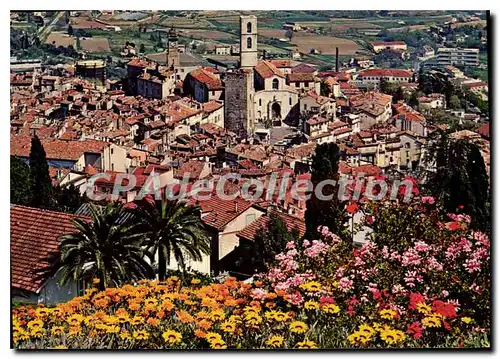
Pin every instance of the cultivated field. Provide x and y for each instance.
(470, 23)
(95, 44)
(182, 22)
(272, 32)
(326, 44)
(60, 39)
(206, 34)
(85, 23)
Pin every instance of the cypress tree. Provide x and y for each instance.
(19, 181)
(40, 183)
(330, 213)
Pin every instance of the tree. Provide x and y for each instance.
(142, 49)
(40, 183)
(68, 198)
(271, 241)
(70, 30)
(173, 229)
(19, 181)
(103, 248)
(413, 100)
(330, 213)
(289, 34)
(325, 90)
(455, 103)
(457, 177)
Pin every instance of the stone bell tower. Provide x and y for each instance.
(172, 50)
(248, 41)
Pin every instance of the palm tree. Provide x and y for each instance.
(173, 229)
(106, 248)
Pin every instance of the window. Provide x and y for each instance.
(249, 27)
(112, 167)
(80, 287)
(213, 93)
(260, 102)
(306, 84)
(297, 84)
(250, 218)
(290, 101)
(182, 70)
(249, 43)
(305, 107)
(111, 151)
(275, 84)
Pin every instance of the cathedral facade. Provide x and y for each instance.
(258, 91)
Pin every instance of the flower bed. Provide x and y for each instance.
(428, 289)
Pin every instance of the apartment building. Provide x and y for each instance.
(457, 56)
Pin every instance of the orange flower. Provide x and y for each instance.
(133, 305)
(199, 333)
(270, 305)
(153, 322)
(160, 314)
(185, 317)
(205, 324)
(167, 305)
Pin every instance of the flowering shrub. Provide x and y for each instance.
(430, 289)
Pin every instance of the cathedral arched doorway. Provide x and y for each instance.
(275, 111)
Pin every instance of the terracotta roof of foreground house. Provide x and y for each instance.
(192, 168)
(34, 234)
(484, 130)
(291, 222)
(217, 212)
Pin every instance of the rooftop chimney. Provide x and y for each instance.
(235, 206)
(336, 59)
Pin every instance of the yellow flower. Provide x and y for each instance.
(141, 335)
(75, 320)
(61, 347)
(311, 286)
(218, 344)
(330, 308)
(136, 320)
(211, 336)
(298, 327)
(96, 281)
(125, 336)
(366, 329)
(113, 329)
(37, 332)
(387, 313)
(466, 320)
(432, 321)
(58, 330)
(235, 319)
(251, 310)
(423, 308)
(172, 336)
(311, 305)
(23, 335)
(35, 324)
(253, 319)
(42, 312)
(306, 344)
(281, 317)
(217, 315)
(275, 341)
(228, 326)
(195, 281)
(122, 318)
(354, 337)
(150, 302)
(391, 336)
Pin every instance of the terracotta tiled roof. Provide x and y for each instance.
(34, 234)
(211, 106)
(266, 70)
(385, 73)
(367, 170)
(192, 168)
(484, 130)
(291, 222)
(389, 43)
(303, 69)
(56, 150)
(297, 77)
(217, 213)
(281, 63)
(206, 77)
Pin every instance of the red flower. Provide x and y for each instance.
(415, 298)
(350, 311)
(414, 329)
(447, 310)
(452, 226)
(326, 300)
(352, 208)
(461, 206)
(446, 326)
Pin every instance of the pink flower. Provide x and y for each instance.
(345, 284)
(259, 293)
(306, 243)
(370, 219)
(290, 245)
(428, 199)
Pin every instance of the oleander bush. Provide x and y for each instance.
(422, 280)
